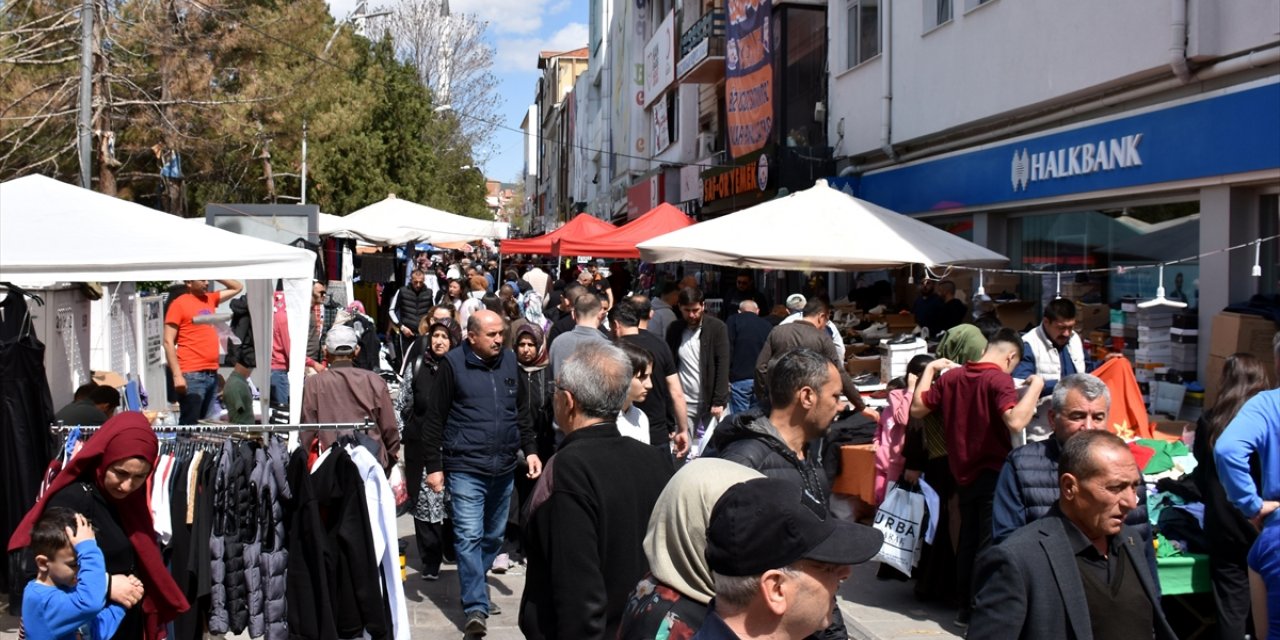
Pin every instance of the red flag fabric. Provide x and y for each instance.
(1129, 417)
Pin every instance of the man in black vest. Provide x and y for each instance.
(1078, 572)
(474, 436)
(407, 307)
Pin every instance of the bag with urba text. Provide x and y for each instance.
(900, 517)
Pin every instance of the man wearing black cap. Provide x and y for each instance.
(777, 559)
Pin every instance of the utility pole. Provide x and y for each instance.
(85, 142)
(304, 161)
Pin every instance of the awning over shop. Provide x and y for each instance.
(581, 227)
(621, 242)
(817, 229)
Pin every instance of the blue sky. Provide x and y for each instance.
(518, 30)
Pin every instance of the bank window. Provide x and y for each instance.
(863, 23)
(936, 12)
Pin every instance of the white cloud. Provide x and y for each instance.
(560, 7)
(521, 54)
(505, 16)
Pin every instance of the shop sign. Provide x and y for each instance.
(1076, 160)
(750, 177)
(661, 127)
(645, 195)
(660, 59)
(690, 183)
(695, 55)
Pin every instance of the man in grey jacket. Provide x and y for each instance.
(1078, 572)
(587, 312)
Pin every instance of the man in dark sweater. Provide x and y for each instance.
(747, 334)
(587, 517)
(475, 433)
(806, 333)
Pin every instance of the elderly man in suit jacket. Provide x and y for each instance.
(1079, 571)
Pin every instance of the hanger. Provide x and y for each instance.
(23, 292)
(1160, 300)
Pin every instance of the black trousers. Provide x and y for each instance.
(434, 539)
(1230, 577)
(975, 530)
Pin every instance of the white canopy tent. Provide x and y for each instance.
(51, 231)
(395, 221)
(818, 229)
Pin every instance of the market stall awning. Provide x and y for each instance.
(817, 229)
(582, 226)
(51, 231)
(394, 221)
(621, 242)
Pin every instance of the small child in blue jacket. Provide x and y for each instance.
(68, 598)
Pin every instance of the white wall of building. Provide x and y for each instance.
(1004, 56)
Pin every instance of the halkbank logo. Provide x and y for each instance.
(1078, 160)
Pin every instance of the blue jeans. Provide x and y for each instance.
(742, 395)
(280, 387)
(480, 509)
(202, 386)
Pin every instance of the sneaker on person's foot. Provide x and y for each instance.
(501, 563)
(494, 609)
(476, 625)
(962, 618)
(431, 576)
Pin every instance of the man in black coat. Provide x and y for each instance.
(700, 344)
(786, 444)
(747, 334)
(1079, 572)
(586, 521)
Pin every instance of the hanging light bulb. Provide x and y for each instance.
(1057, 292)
(1160, 300)
(982, 291)
(1257, 258)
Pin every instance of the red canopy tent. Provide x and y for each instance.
(621, 243)
(584, 225)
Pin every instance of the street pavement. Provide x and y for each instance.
(873, 609)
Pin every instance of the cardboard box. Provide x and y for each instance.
(1018, 316)
(856, 366)
(1092, 316)
(894, 358)
(1212, 379)
(1240, 333)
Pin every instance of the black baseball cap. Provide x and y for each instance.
(765, 524)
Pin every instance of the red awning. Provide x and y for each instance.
(584, 225)
(621, 243)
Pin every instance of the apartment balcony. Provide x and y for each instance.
(702, 50)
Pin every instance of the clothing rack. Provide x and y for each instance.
(59, 427)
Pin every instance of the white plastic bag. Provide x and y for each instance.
(899, 519)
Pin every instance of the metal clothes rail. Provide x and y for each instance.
(59, 427)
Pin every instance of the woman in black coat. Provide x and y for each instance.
(1230, 534)
(433, 534)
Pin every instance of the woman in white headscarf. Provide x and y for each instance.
(671, 600)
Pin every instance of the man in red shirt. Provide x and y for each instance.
(980, 408)
(191, 348)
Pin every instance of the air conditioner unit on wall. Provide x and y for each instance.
(708, 144)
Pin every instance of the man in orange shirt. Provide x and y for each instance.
(191, 348)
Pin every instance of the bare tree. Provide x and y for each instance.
(455, 62)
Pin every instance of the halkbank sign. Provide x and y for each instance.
(1076, 160)
(1218, 133)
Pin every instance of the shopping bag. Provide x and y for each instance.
(400, 488)
(899, 518)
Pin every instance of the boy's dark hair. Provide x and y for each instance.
(917, 364)
(1007, 336)
(626, 313)
(49, 535)
(83, 390)
(988, 325)
(640, 358)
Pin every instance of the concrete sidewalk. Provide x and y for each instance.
(888, 610)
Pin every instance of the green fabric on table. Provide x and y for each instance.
(1184, 574)
(1165, 453)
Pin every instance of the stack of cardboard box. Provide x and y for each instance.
(1185, 336)
(1237, 333)
(1155, 348)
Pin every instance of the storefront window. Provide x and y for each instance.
(1117, 240)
